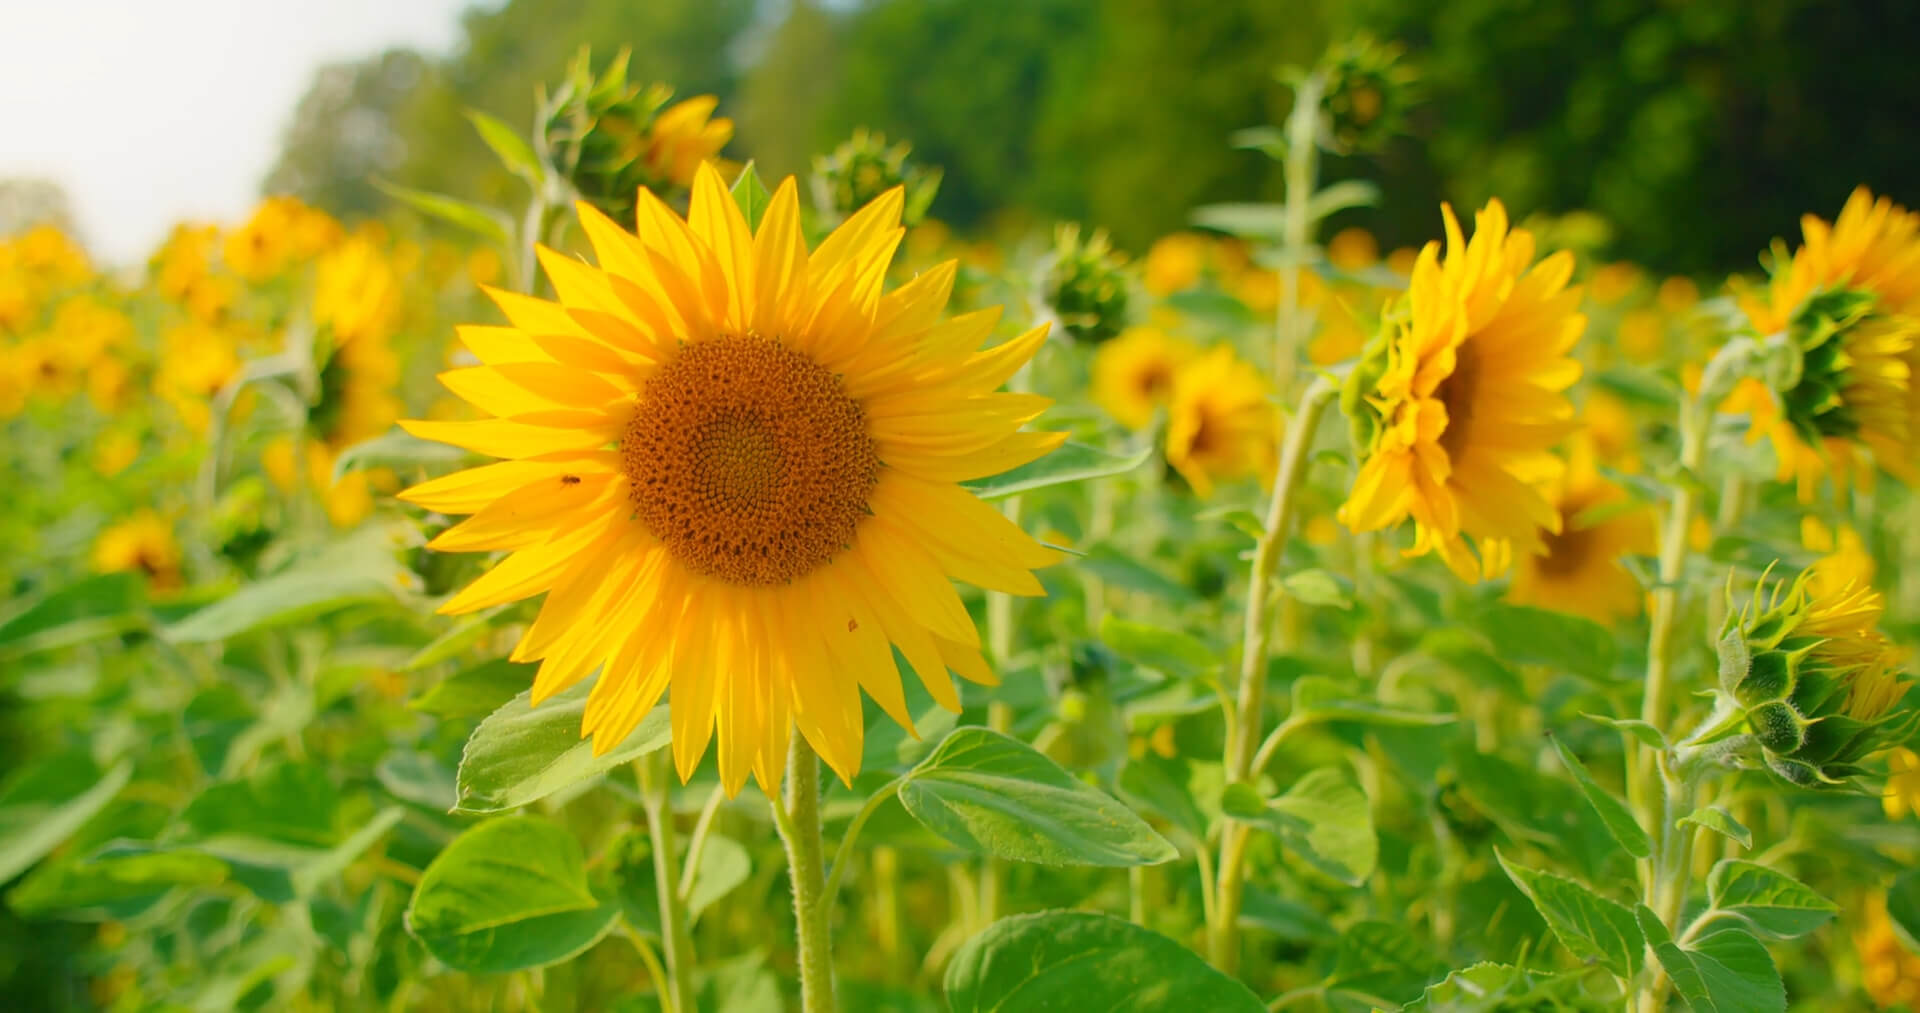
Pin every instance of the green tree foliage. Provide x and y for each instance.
(348, 129)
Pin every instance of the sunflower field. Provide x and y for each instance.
(679, 588)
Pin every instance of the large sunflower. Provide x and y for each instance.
(1470, 398)
(1580, 571)
(732, 465)
(1849, 300)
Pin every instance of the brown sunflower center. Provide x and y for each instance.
(1572, 548)
(749, 461)
(1458, 392)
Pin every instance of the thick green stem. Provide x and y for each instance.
(799, 823)
(1243, 742)
(655, 790)
(1302, 165)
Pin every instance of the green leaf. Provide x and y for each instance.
(361, 568)
(286, 801)
(1502, 988)
(1317, 587)
(1164, 786)
(724, 865)
(1539, 637)
(1318, 698)
(514, 153)
(471, 692)
(1126, 572)
(509, 894)
(522, 753)
(1725, 971)
(1170, 652)
(1646, 734)
(483, 222)
(1774, 903)
(95, 607)
(120, 872)
(1074, 960)
(417, 777)
(1337, 197)
(1590, 925)
(1720, 822)
(1903, 907)
(1613, 812)
(752, 196)
(43, 804)
(1073, 462)
(396, 446)
(1324, 818)
(469, 631)
(996, 796)
(1382, 961)
(1247, 221)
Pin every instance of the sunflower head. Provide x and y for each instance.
(1459, 401)
(1369, 89)
(1579, 569)
(1085, 285)
(1812, 679)
(1175, 262)
(732, 464)
(865, 166)
(1133, 374)
(1889, 967)
(143, 544)
(609, 137)
(1221, 422)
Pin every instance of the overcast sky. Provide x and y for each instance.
(149, 112)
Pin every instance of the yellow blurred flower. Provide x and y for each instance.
(184, 260)
(1221, 424)
(1340, 337)
(196, 361)
(281, 232)
(1174, 263)
(1611, 428)
(1133, 374)
(49, 257)
(484, 267)
(683, 136)
(114, 452)
(1401, 261)
(1579, 569)
(1902, 797)
(1471, 399)
(1892, 971)
(1353, 249)
(1643, 336)
(1845, 561)
(1613, 282)
(1677, 295)
(356, 292)
(142, 543)
(1257, 288)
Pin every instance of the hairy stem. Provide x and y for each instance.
(799, 823)
(655, 790)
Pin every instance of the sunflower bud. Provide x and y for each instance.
(1085, 286)
(1363, 416)
(864, 167)
(1811, 680)
(1368, 92)
(609, 137)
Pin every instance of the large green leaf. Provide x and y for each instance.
(1721, 822)
(1502, 988)
(1072, 462)
(483, 222)
(1613, 812)
(513, 151)
(1774, 903)
(1380, 963)
(522, 753)
(361, 568)
(996, 796)
(97, 606)
(1071, 960)
(724, 864)
(509, 894)
(1724, 971)
(472, 692)
(1324, 818)
(42, 804)
(1554, 639)
(1590, 925)
(120, 872)
(1318, 698)
(1170, 652)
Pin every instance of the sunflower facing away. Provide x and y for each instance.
(1849, 299)
(1470, 399)
(732, 465)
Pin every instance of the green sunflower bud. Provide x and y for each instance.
(864, 167)
(1815, 403)
(1807, 676)
(595, 130)
(1085, 286)
(1368, 93)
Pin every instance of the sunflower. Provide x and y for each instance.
(1579, 572)
(732, 465)
(1464, 397)
(1845, 560)
(144, 544)
(1902, 796)
(684, 136)
(1849, 301)
(1221, 424)
(1891, 970)
(1174, 263)
(1133, 374)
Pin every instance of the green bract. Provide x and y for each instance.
(865, 166)
(593, 131)
(1085, 286)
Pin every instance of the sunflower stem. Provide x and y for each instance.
(799, 823)
(1223, 930)
(655, 789)
(1302, 168)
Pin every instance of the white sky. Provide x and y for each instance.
(150, 112)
